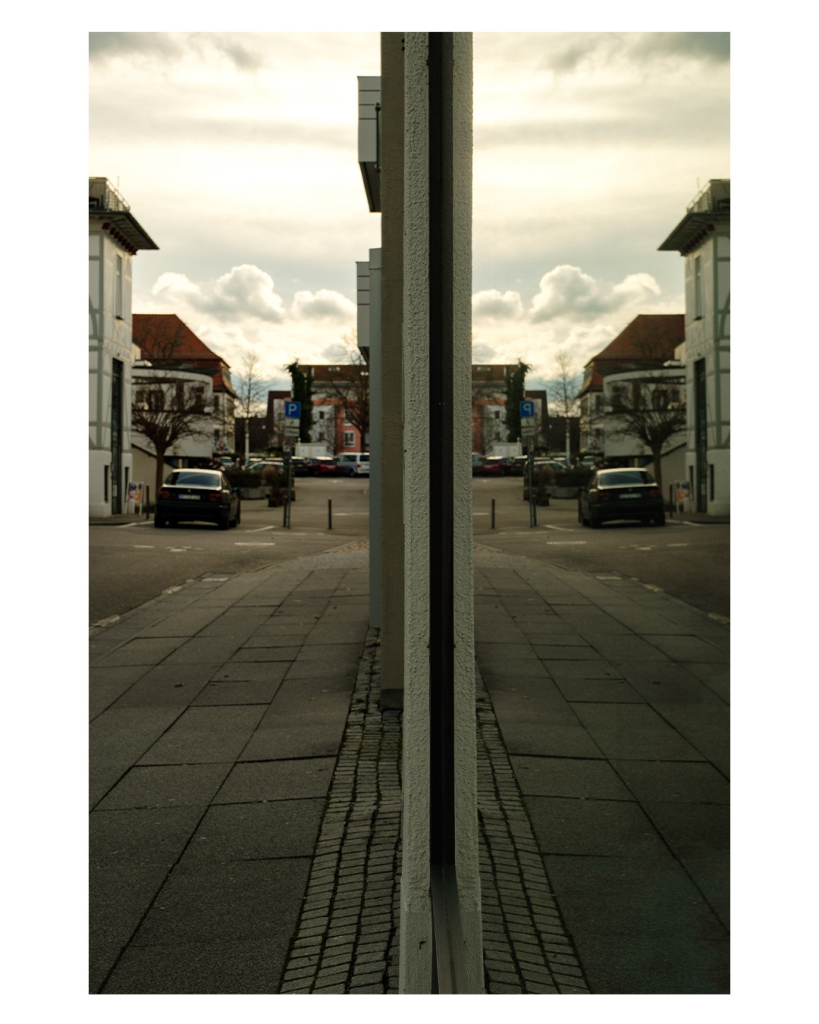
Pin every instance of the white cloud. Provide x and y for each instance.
(568, 291)
(565, 290)
(324, 305)
(635, 288)
(251, 290)
(493, 305)
(171, 289)
(572, 312)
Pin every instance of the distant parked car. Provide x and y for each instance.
(325, 466)
(198, 495)
(486, 465)
(518, 465)
(257, 465)
(620, 494)
(353, 464)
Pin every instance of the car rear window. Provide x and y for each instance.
(192, 479)
(613, 477)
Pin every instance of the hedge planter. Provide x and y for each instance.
(276, 499)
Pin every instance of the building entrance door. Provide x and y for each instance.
(116, 436)
(701, 436)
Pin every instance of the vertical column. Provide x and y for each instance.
(375, 447)
(392, 426)
(440, 792)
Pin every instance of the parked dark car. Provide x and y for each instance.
(620, 494)
(198, 495)
(518, 466)
(300, 467)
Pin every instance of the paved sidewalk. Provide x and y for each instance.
(245, 826)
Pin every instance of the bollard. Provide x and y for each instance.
(329, 513)
(493, 513)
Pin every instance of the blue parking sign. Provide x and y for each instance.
(292, 410)
(527, 409)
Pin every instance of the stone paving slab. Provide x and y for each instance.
(633, 832)
(603, 811)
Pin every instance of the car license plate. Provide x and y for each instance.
(189, 497)
(630, 494)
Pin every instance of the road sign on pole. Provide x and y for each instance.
(292, 410)
(527, 410)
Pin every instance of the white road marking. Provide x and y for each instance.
(563, 529)
(145, 546)
(261, 529)
(685, 522)
(124, 526)
(107, 622)
(677, 545)
(563, 543)
(254, 544)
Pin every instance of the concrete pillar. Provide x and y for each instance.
(392, 423)
(437, 308)
(375, 446)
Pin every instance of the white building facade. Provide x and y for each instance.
(703, 238)
(114, 237)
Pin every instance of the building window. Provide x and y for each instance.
(697, 288)
(349, 439)
(118, 312)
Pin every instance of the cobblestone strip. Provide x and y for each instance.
(347, 937)
(525, 945)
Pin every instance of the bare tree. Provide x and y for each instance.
(168, 408)
(651, 408)
(350, 388)
(251, 391)
(563, 388)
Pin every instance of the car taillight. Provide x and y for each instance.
(655, 492)
(163, 493)
(604, 495)
(215, 496)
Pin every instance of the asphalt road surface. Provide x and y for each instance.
(131, 564)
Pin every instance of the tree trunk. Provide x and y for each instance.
(658, 468)
(160, 473)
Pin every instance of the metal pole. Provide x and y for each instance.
(289, 487)
(493, 513)
(329, 513)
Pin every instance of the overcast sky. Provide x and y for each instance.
(238, 155)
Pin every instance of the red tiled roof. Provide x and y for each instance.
(163, 336)
(650, 338)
